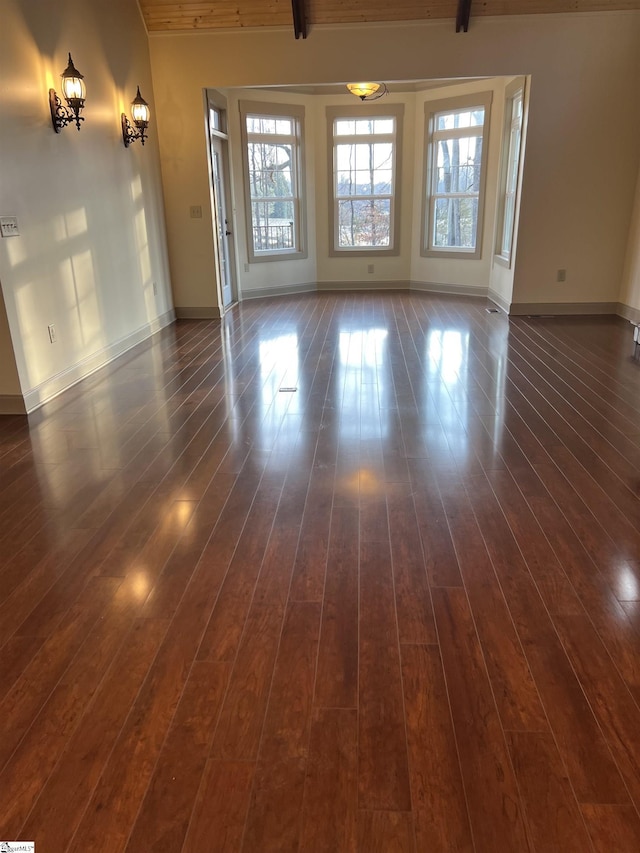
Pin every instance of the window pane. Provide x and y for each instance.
(284, 126)
(473, 117)
(261, 124)
(364, 169)
(214, 118)
(458, 165)
(384, 125)
(377, 155)
(270, 169)
(364, 126)
(272, 224)
(456, 222)
(363, 223)
(458, 179)
(345, 182)
(514, 153)
(517, 106)
(379, 182)
(382, 155)
(383, 182)
(345, 127)
(267, 184)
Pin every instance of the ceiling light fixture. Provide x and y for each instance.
(140, 114)
(368, 91)
(74, 92)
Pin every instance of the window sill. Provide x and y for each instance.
(278, 256)
(452, 254)
(367, 252)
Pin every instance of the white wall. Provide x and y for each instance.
(577, 198)
(581, 149)
(92, 236)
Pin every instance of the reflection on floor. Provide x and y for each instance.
(342, 572)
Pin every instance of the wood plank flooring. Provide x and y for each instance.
(395, 609)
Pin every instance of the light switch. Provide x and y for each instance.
(9, 226)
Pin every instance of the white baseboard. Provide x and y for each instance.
(629, 313)
(12, 404)
(518, 309)
(286, 290)
(208, 312)
(362, 285)
(50, 388)
(500, 301)
(450, 289)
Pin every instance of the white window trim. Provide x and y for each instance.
(217, 102)
(432, 108)
(517, 86)
(376, 111)
(283, 111)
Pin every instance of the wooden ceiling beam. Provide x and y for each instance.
(464, 13)
(185, 15)
(299, 19)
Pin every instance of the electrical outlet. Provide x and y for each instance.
(370, 268)
(562, 275)
(52, 333)
(195, 211)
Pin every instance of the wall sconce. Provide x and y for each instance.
(140, 113)
(74, 92)
(368, 91)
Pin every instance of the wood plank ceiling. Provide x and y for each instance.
(163, 15)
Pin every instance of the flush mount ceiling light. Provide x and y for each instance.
(74, 92)
(140, 115)
(368, 91)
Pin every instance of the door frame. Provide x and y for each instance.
(215, 100)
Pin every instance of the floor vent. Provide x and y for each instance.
(540, 316)
(492, 310)
(287, 390)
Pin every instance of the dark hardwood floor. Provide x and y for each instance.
(395, 609)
